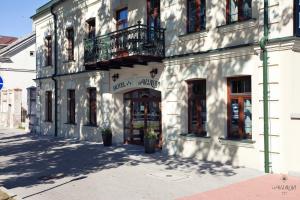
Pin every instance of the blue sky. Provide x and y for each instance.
(15, 16)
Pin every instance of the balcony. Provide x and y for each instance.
(134, 45)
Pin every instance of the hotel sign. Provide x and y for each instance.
(137, 82)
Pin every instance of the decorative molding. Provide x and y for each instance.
(192, 36)
(197, 139)
(238, 26)
(210, 56)
(295, 116)
(241, 143)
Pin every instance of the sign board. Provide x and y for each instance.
(136, 82)
(1, 83)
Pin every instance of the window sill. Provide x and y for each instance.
(92, 125)
(46, 121)
(72, 124)
(47, 66)
(248, 143)
(246, 24)
(193, 137)
(69, 61)
(295, 116)
(193, 35)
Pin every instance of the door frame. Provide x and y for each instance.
(145, 101)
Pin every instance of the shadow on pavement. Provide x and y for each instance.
(30, 160)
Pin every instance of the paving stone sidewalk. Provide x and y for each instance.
(39, 168)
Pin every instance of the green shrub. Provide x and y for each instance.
(150, 134)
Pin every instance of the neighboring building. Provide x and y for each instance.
(17, 69)
(11, 108)
(198, 83)
(6, 40)
(31, 112)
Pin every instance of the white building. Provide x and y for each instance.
(17, 69)
(198, 82)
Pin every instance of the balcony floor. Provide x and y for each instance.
(122, 61)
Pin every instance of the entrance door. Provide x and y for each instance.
(142, 110)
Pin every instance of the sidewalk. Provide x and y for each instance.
(273, 187)
(39, 168)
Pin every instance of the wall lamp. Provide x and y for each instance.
(115, 77)
(153, 72)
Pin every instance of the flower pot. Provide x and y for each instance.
(107, 139)
(149, 144)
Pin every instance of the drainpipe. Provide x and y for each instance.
(263, 43)
(55, 70)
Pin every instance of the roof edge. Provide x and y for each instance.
(44, 8)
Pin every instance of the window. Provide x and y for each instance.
(122, 21)
(32, 101)
(71, 106)
(48, 50)
(153, 13)
(238, 10)
(196, 14)
(153, 20)
(197, 107)
(70, 48)
(297, 17)
(48, 106)
(31, 53)
(91, 28)
(92, 95)
(239, 108)
(23, 114)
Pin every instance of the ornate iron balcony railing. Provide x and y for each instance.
(137, 40)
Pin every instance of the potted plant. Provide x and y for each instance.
(150, 138)
(107, 136)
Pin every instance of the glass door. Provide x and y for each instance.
(138, 122)
(142, 110)
(154, 119)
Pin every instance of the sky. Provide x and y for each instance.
(15, 16)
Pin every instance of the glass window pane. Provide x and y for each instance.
(234, 86)
(248, 116)
(202, 15)
(234, 117)
(248, 85)
(153, 115)
(127, 116)
(247, 9)
(203, 115)
(233, 10)
(192, 15)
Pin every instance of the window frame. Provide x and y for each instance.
(240, 97)
(241, 15)
(70, 43)
(198, 16)
(197, 98)
(71, 106)
(92, 112)
(48, 106)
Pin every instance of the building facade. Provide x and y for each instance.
(189, 69)
(17, 70)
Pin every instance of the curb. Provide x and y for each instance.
(11, 195)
